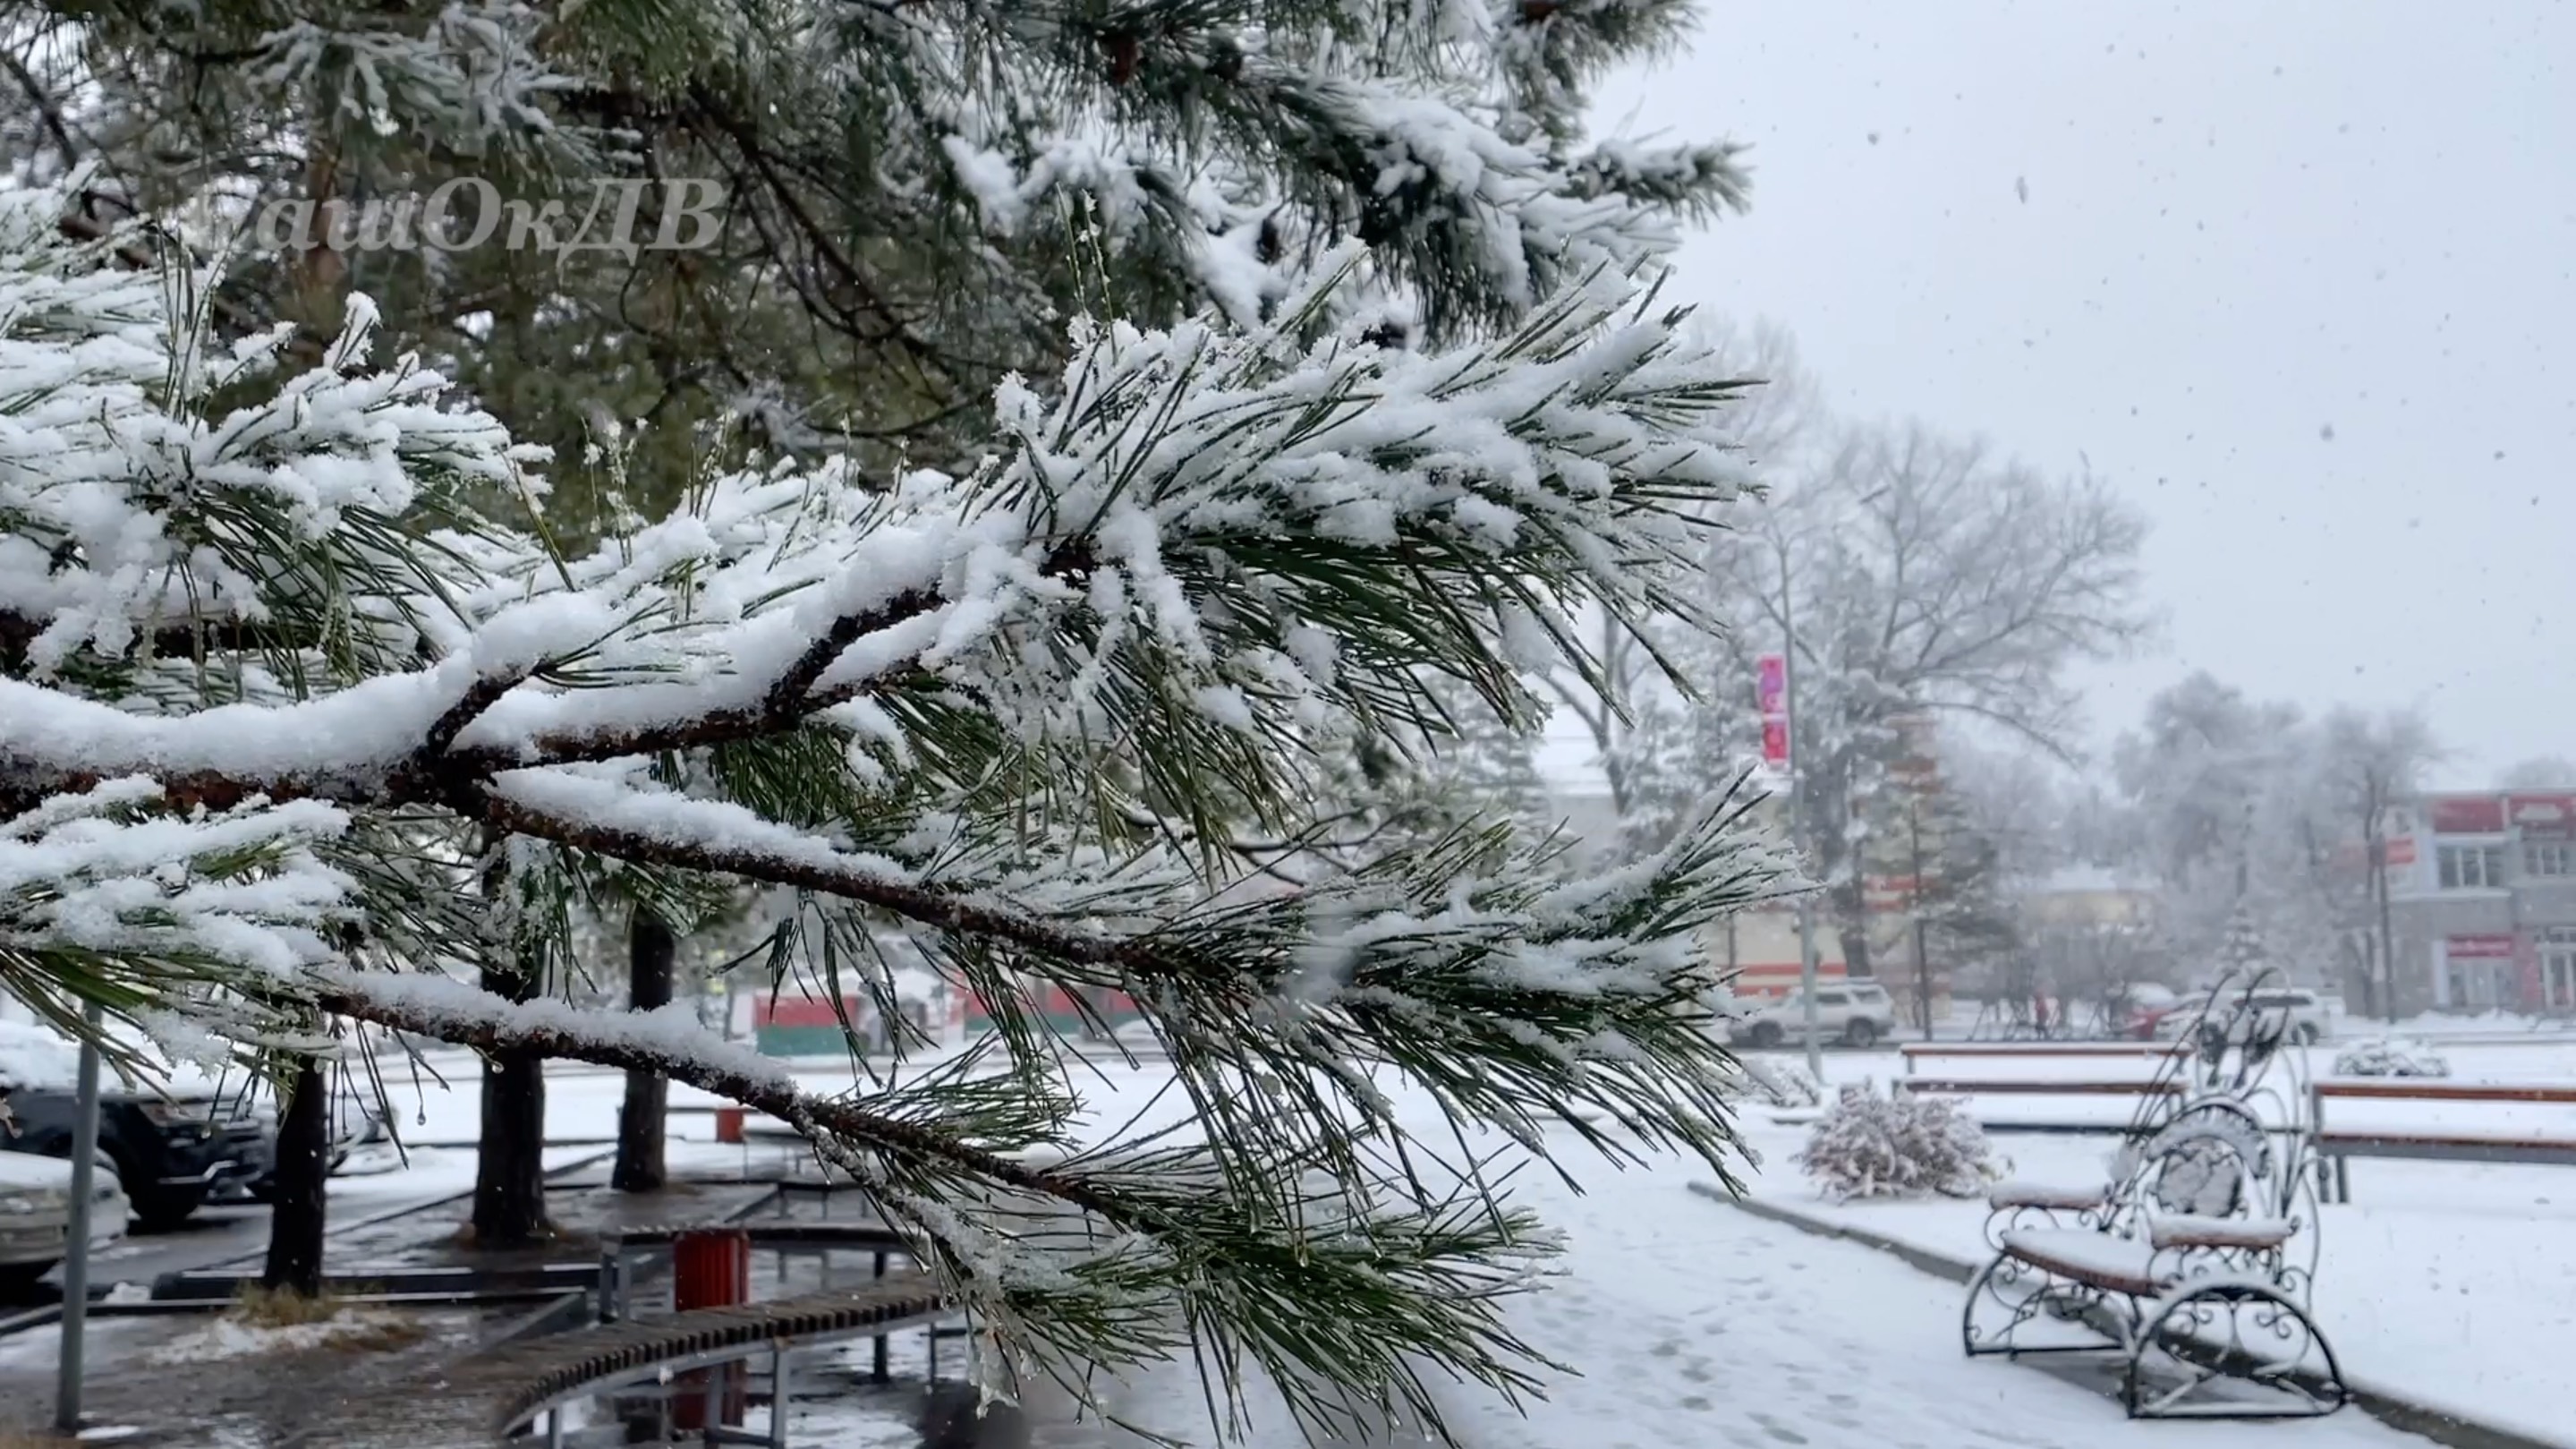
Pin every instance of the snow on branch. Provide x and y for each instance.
(1193, 560)
(110, 881)
(1193, 535)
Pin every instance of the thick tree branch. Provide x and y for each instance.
(851, 881)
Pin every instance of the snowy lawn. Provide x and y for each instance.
(2449, 1284)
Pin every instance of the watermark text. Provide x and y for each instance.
(468, 212)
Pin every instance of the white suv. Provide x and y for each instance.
(1856, 1013)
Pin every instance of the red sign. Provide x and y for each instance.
(2479, 948)
(1779, 978)
(2468, 815)
(1771, 685)
(2542, 817)
(1775, 742)
(768, 1010)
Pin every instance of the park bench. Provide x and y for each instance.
(2190, 1259)
(2336, 1146)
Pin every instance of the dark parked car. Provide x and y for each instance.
(171, 1155)
(199, 1141)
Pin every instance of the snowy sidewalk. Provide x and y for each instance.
(1694, 1323)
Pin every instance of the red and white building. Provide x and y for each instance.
(2482, 892)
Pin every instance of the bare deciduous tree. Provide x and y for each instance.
(1910, 574)
(2366, 764)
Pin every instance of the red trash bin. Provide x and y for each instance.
(710, 1268)
(729, 1123)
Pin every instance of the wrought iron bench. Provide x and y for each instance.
(2191, 1260)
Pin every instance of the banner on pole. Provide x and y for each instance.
(1771, 698)
(1771, 685)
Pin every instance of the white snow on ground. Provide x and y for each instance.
(225, 1336)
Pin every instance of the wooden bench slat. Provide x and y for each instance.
(2354, 1136)
(2051, 1049)
(2087, 1257)
(1970, 1087)
(2418, 1090)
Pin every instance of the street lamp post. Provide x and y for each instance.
(1798, 825)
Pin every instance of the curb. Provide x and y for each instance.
(2399, 1413)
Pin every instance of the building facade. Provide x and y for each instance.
(2482, 902)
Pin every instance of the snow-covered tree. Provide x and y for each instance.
(302, 716)
(914, 194)
(1908, 575)
(2239, 804)
(2541, 772)
(2210, 777)
(2362, 768)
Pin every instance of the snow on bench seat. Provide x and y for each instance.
(2181, 1230)
(2123, 1265)
(2023, 1194)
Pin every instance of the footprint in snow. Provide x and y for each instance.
(1779, 1432)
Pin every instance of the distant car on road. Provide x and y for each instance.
(35, 1215)
(2307, 1012)
(1855, 1013)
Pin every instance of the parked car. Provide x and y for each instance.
(1856, 1013)
(355, 1123)
(175, 1148)
(35, 1215)
(2307, 1011)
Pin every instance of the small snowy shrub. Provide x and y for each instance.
(2390, 1056)
(1779, 1083)
(1899, 1145)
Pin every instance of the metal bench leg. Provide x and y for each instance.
(779, 1394)
(2239, 1331)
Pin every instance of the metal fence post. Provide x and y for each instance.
(67, 1380)
(877, 1358)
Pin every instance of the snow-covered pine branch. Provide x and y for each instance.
(946, 701)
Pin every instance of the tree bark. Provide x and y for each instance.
(303, 1169)
(650, 949)
(509, 1165)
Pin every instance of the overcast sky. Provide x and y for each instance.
(2295, 277)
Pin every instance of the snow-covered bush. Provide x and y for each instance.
(1899, 1145)
(2390, 1056)
(1779, 1082)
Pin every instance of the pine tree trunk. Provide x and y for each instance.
(509, 1167)
(303, 1169)
(640, 1130)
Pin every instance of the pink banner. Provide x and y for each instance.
(1771, 685)
(1775, 742)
